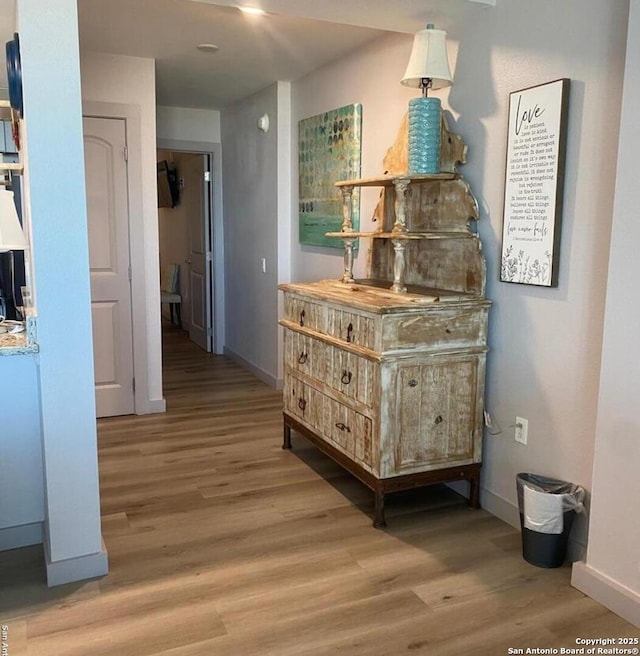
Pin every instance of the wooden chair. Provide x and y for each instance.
(170, 291)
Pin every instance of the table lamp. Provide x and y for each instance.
(428, 68)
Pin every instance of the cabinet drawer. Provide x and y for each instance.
(354, 376)
(304, 354)
(304, 312)
(345, 372)
(448, 327)
(351, 327)
(345, 428)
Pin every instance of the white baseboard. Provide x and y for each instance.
(500, 507)
(16, 537)
(81, 568)
(156, 405)
(606, 591)
(263, 375)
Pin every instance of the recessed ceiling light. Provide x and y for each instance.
(253, 11)
(207, 47)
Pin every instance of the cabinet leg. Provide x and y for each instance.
(286, 437)
(474, 492)
(378, 518)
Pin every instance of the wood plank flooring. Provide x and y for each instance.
(222, 544)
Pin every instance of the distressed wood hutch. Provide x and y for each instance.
(386, 375)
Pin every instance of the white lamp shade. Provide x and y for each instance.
(429, 60)
(11, 235)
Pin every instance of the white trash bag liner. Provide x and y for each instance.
(546, 500)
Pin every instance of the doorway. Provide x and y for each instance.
(186, 241)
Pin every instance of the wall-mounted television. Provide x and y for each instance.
(168, 190)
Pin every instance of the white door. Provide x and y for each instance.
(108, 226)
(198, 266)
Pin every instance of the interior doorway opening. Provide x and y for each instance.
(185, 225)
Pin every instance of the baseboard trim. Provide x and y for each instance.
(606, 591)
(156, 405)
(16, 537)
(499, 507)
(263, 375)
(90, 566)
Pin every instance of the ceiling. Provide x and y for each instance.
(295, 38)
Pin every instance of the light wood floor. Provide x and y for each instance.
(222, 544)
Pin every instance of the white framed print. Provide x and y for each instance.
(534, 181)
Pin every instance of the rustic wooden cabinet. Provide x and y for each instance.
(386, 375)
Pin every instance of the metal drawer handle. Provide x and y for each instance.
(343, 427)
(302, 404)
(302, 358)
(302, 318)
(346, 377)
(413, 383)
(350, 332)
(439, 419)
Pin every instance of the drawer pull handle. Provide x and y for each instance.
(439, 419)
(346, 377)
(302, 404)
(413, 383)
(343, 427)
(302, 318)
(302, 358)
(350, 332)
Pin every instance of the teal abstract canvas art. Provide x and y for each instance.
(329, 150)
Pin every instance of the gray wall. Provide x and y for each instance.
(250, 182)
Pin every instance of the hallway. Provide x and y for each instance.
(222, 544)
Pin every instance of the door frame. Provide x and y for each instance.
(216, 232)
(141, 297)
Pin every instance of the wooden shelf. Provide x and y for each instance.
(401, 235)
(391, 180)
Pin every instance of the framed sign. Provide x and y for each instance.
(534, 184)
(329, 147)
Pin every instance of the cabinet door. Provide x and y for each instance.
(437, 413)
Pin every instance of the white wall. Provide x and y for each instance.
(57, 214)
(286, 183)
(186, 124)
(130, 81)
(250, 183)
(545, 357)
(612, 570)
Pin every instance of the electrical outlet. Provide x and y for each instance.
(522, 428)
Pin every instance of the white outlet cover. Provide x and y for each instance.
(522, 428)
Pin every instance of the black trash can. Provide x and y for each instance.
(546, 520)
